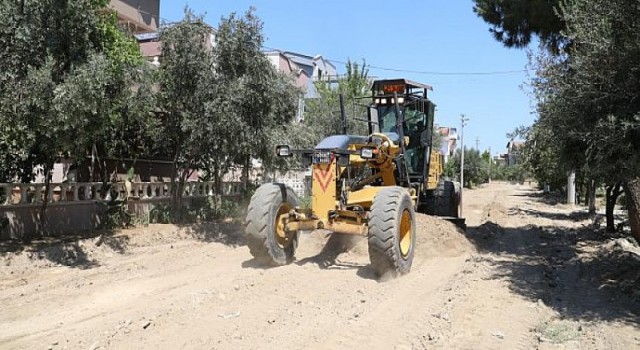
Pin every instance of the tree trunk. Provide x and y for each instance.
(92, 167)
(174, 189)
(613, 192)
(43, 209)
(632, 192)
(216, 179)
(245, 173)
(591, 196)
(579, 191)
(180, 195)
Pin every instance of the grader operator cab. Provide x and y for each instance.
(363, 185)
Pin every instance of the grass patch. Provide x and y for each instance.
(557, 331)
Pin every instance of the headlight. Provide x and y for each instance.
(283, 151)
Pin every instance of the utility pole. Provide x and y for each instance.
(478, 144)
(463, 122)
(490, 164)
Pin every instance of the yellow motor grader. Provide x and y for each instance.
(363, 185)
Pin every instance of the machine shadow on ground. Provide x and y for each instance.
(336, 245)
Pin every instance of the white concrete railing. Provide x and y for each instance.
(21, 194)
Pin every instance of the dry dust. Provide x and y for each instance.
(527, 274)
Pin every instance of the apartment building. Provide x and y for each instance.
(139, 16)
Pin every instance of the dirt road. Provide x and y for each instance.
(528, 274)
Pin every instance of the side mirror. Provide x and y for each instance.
(283, 151)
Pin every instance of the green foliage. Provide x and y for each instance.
(479, 168)
(261, 99)
(121, 48)
(161, 214)
(515, 22)
(220, 104)
(516, 173)
(543, 159)
(557, 331)
(588, 102)
(186, 84)
(476, 168)
(203, 210)
(322, 117)
(290, 132)
(187, 87)
(54, 81)
(116, 216)
(436, 139)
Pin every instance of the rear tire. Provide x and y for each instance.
(266, 238)
(446, 199)
(392, 232)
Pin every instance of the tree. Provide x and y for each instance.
(45, 43)
(50, 49)
(110, 118)
(187, 87)
(261, 98)
(588, 94)
(588, 100)
(41, 41)
(541, 156)
(476, 167)
(515, 22)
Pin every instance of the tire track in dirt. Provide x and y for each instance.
(388, 324)
(172, 291)
(407, 309)
(484, 320)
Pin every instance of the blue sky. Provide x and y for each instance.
(438, 37)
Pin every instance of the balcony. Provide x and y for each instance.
(140, 16)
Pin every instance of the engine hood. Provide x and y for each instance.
(340, 142)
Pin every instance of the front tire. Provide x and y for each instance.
(267, 239)
(392, 232)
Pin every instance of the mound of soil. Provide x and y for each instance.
(620, 265)
(494, 212)
(440, 238)
(434, 238)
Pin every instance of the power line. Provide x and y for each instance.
(397, 70)
(439, 73)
